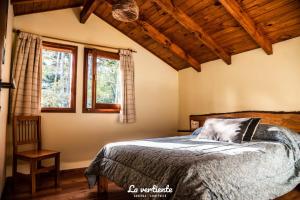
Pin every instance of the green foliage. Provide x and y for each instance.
(56, 79)
(89, 82)
(108, 81)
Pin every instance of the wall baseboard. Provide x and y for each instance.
(24, 167)
(62, 172)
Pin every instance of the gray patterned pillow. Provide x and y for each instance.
(226, 130)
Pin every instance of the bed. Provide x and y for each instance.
(186, 168)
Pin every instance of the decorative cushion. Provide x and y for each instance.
(226, 130)
(197, 131)
(251, 129)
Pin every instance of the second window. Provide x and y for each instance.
(101, 81)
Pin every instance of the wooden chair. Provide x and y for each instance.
(27, 131)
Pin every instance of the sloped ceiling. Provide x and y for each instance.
(170, 29)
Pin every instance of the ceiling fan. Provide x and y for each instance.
(125, 10)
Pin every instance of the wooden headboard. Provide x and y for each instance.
(290, 120)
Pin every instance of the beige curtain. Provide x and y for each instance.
(27, 75)
(128, 113)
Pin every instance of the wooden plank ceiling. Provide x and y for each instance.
(186, 33)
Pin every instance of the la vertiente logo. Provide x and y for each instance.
(152, 192)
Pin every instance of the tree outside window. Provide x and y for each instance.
(58, 77)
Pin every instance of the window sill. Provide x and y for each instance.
(58, 110)
(100, 110)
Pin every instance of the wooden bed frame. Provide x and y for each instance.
(290, 120)
(102, 186)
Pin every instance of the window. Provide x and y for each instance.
(101, 81)
(58, 78)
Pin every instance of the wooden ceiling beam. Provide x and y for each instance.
(16, 2)
(167, 43)
(193, 27)
(88, 9)
(248, 24)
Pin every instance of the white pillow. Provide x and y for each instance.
(226, 130)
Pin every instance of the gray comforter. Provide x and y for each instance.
(265, 168)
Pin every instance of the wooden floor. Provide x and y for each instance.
(74, 186)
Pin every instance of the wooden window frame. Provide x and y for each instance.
(96, 107)
(74, 50)
(3, 28)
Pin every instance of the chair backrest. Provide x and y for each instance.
(27, 130)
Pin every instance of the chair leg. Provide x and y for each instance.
(57, 170)
(33, 169)
(14, 169)
(39, 166)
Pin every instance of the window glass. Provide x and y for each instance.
(58, 77)
(89, 81)
(108, 83)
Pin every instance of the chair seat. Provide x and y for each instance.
(37, 154)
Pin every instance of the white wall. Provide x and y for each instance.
(254, 81)
(80, 136)
(4, 98)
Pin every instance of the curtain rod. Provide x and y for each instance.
(77, 42)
